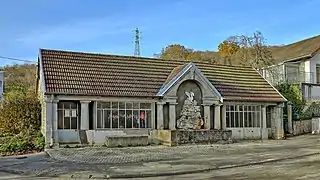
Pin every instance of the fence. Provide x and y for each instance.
(302, 115)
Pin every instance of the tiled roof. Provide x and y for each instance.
(296, 49)
(80, 73)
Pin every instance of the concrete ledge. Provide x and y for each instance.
(127, 140)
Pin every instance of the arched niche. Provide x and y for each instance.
(188, 86)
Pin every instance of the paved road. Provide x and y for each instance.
(302, 169)
(103, 162)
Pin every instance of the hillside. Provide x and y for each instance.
(20, 77)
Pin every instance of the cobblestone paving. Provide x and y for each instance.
(104, 155)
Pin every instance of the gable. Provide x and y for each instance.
(189, 72)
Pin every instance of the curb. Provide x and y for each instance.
(145, 175)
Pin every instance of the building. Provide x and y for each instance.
(297, 63)
(104, 95)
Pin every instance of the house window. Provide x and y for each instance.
(293, 75)
(242, 116)
(68, 115)
(123, 115)
(318, 74)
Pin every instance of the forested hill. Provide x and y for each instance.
(21, 77)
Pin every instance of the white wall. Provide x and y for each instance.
(310, 66)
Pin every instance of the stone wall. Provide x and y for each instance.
(179, 137)
(302, 127)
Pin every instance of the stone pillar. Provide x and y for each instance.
(153, 116)
(278, 122)
(289, 111)
(172, 115)
(94, 114)
(55, 121)
(264, 130)
(207, 116)
(160, 124)
(84, 115)
(217, 118)
(223, 117)
(48, 123)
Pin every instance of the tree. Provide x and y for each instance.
(19, 112)
(227, 49)
(247, 50)
(175, 51)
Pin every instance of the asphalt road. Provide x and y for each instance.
(300, 169)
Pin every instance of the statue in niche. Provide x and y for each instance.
(190, 116)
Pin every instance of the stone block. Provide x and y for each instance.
(178, 137)
(126, 141)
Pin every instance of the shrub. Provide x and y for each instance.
(27, 140)
(20, 111)
(17, 143)
(39, 142)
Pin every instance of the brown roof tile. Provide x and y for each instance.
(80, 73)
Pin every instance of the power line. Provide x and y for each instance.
(16, 59)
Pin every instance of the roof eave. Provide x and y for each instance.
(43, 84)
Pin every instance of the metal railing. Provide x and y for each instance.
(299, 77)
(295, 77)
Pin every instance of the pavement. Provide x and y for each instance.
(159, 162)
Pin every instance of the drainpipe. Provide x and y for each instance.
(52, 123)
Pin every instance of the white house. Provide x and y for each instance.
(299, 63)
(102, 95)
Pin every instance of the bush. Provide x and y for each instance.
(16, 144)
(20, 111)
(28, 140)
(39, 142)
(292, 93)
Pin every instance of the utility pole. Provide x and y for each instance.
(137, 42)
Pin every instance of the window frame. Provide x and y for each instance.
(106, 106)
(70, 110)
(318, 74)
(243, 116)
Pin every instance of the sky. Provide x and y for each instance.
(107, 26)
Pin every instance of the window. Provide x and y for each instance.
(318, 74)
(123, 115)
(68, 115)
(240, 116)
(293, 74)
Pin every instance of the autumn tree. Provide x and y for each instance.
(228, 49)
(176, 51)
(247, 50)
